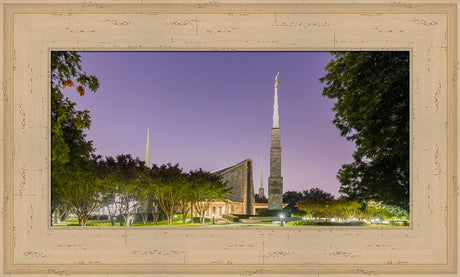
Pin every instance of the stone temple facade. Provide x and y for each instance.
(239, 177)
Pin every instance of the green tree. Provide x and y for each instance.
(69, 147)
(124, 179)
(375, 209)
(208, 188)
(109, 201)
(371, 90)
(316, 203)
(149, 205)
(346, 210)
(395, 212)
(260, 199)
(291, 198)
(168, 182)
(79, 187)
(185, 201)
(314, 210)
(317, 195)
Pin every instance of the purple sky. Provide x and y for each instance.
(214, 109)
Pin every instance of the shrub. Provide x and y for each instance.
(267, 212)
(399, 223)
(179, 217)
(323, 223)
(197, 220)
(103, 217)
(138, 217)
(301, 223)
(231, 217)
(288, 211)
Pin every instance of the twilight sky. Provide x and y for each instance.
(214, 109)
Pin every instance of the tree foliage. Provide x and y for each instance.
(123, 178)
(70, 151)
(66, 121)
(168, 183)
(207, 188)
(79, 188)
(371, 90)
(315, 201)
(261, 199)
(317, 195)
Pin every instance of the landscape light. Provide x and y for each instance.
(281, 219)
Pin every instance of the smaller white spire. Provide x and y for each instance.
(147, 151)
(261, 173)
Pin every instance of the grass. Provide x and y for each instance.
(98, 223)
(73, 221)
(329, 223)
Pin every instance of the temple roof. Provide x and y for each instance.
(219, 171)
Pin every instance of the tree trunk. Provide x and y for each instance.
(62, 216)
(53, 218)
(125, 217)
(155, 217)
(202, 217)
(82, 218)
(170, 217)
(145, 217)
(191, 212)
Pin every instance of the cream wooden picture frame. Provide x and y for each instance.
(31, 29)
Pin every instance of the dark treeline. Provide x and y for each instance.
(123, 184)
(315, 203)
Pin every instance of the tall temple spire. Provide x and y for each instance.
(275, 181)
(275, 105)
(147, 151)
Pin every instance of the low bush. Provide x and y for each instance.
(267, 212)
(231, 217)
(245, 216)
(197, 220)
(324, 223)
(179, 217)
(103, 217)
(399, 223)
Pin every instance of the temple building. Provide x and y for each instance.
(239, 177)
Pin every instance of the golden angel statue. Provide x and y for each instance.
(276, 80)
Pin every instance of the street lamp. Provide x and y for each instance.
(281, 217)
(175, 217)
(213, 218)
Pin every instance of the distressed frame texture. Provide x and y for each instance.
(429, 30)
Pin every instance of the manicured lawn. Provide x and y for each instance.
(74, 222)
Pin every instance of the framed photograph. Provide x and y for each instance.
(32, 31)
